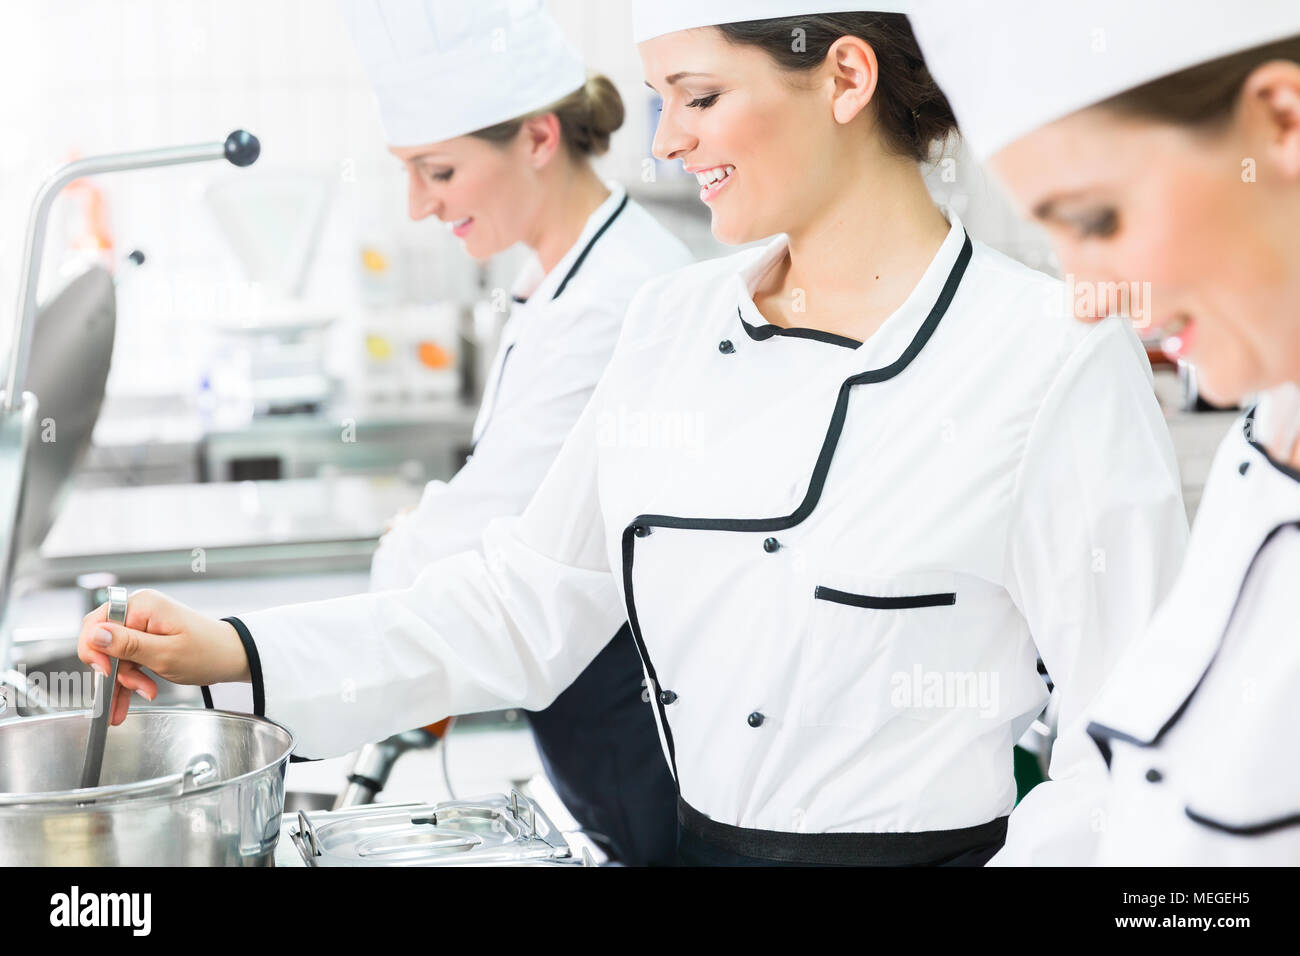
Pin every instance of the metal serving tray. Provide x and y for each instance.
(495, 830)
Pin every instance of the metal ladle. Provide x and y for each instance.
(102, 710)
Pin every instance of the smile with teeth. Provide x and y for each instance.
(712, 180)
(459, 226)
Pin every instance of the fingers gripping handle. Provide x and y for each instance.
(102, 709)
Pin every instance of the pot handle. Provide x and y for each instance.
(199, 772)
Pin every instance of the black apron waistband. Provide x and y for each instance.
(919, 848)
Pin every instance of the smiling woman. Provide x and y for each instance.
(1164, 147)
(526, 179)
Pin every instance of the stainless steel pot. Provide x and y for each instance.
(180, 787)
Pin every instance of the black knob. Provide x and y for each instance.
(242, 148)
(725, 347)
(641, 530)
(771, 545)
(136, 257)
(1243, 467)
(1154, 775)
(667, 697)
(756, 719)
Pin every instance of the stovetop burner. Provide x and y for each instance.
(494, 830)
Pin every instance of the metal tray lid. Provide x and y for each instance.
(496, 830)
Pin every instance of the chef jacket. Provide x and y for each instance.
(1198, 723)
(554, 346)
(840, 560)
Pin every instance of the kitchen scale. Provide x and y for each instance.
(495, 830)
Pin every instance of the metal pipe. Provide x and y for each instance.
(241, 148)
(375, 762)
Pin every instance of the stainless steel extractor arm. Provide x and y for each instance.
(241, 148)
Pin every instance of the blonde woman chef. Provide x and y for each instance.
(497, 122)
(1163, 146)
(859, 525)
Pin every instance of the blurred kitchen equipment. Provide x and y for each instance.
(275, 344)
(101, 710)
(273, 222)
(374, 762)
(17, 405)
(486, 831)
(273, 362)
(72, 346)
(180, 787)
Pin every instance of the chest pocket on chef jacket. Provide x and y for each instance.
(865, 641)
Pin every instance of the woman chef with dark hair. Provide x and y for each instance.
(890, 472)
(1162, 145)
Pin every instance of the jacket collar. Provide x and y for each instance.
(1276, 420)
(894, 334)
(1248, 496)
(532, 285)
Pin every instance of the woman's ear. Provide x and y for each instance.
(854, 70)
(540, 137)
(1269, 108)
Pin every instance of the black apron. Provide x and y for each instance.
(600, 748)
(705, 842)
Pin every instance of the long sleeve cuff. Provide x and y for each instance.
(236, 696)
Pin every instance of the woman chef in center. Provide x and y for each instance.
(846, 487)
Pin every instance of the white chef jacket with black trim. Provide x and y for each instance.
(841, 563)
(1199, 722)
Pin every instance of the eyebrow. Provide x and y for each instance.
(670, 80)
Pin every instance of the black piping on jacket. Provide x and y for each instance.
(815, 485)
(573, 270)
(1248, 425)
(760, 333)
(1102, 734)
(1244, 830)
(582, 256)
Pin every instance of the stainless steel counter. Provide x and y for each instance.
(221, 529)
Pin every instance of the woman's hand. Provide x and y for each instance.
(165, 636)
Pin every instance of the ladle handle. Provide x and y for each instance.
(102, 710)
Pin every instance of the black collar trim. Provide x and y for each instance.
(1247, 427)
(582, 256)
(761, 333)
(836, 426)
(1102, 734)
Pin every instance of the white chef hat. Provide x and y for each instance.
(657, 17)
(1010, 66)
(444, 68)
